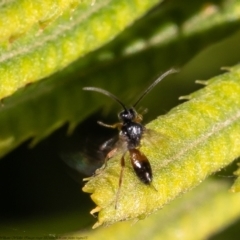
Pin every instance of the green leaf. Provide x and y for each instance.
(192, 141)
(18, 17)
(196, 215)
(236, 185)
(172, 34)
(73, 34)
(124, 58)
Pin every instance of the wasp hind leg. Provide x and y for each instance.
(109, 155)
(120, 180)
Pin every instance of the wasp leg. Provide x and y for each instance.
(109, 155)
(116, 125)
(120, 179)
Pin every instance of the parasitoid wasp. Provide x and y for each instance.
(130, 134)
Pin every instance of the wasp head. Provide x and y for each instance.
(127, 115)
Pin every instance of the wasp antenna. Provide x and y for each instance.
(159, 79)
(100, 90)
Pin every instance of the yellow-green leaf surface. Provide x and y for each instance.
(236, 185)
(18, 16)
(197, 215)
(193, 140)
(41, 52)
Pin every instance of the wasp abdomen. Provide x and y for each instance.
(141, 165)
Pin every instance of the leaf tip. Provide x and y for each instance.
(202, 82)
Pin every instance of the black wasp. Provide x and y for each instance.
(130, 133)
